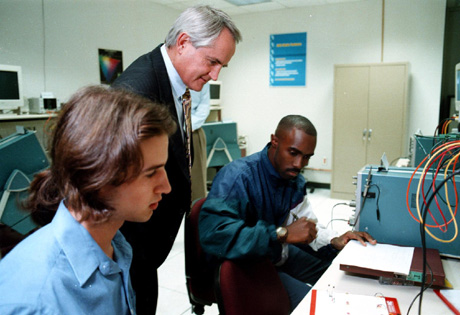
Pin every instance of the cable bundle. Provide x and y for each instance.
(443, 158)
(443, 127)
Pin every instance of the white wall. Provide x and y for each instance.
(21, 41)
(414, 31)
(73, 33)
(336, 34)
(344, 33)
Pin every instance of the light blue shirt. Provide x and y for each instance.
(60, 269)
(178, 87)
(200, 106)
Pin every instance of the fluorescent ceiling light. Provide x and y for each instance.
(240, 3)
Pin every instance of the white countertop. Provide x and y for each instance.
(344, 283)
(26, 116)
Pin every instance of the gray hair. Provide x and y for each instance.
(203, 24)
(296, 121)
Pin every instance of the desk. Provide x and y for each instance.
(37, 122)
(343, 283)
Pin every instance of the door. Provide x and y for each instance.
(387, 112)
(351, 90)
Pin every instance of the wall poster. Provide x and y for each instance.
(110, 65)
(288, 59)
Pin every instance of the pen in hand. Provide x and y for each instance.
(295, 216)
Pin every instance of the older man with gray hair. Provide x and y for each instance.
(199, 44)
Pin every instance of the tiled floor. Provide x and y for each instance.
(173, 299)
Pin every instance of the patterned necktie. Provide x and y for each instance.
(186, 107)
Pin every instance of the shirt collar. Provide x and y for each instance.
(178, 86)
(83, 253)
(267, 164)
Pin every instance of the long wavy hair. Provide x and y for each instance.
(96, 142)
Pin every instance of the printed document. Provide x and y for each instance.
(384, 257)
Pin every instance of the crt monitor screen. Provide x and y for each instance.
(214, 92)
(9, 85)
(10, 88)
(457, 84)
(457, 87)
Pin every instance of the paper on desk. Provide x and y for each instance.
(382, 257)
(325, 303)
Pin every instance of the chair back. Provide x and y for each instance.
(251, 287)
(199, 276)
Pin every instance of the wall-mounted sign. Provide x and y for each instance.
(288, 59)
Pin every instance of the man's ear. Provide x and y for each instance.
(182, 40)
(274, 141)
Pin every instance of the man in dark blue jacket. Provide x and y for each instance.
(257, 207)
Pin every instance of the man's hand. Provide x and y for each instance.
(340, 242)
(301, 231)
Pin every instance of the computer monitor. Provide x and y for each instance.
(457, 87)
(21, 157)
(215, 89)
(221, 143)
(11, 97)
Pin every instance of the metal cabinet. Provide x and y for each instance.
(370, 118)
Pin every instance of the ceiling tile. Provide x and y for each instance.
(241, 3)
(267, 6)
(219, 4)
(166, 2)
(235, 10)
(301, 3)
